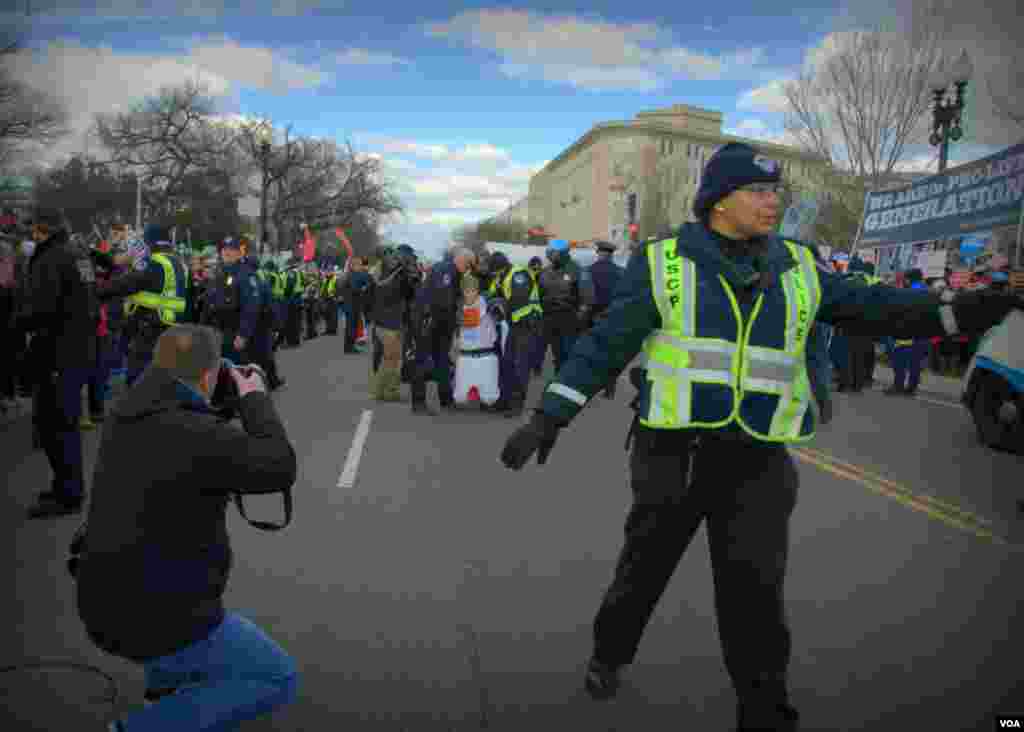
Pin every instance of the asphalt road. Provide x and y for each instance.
(435, 590)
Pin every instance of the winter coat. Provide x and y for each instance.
(156, 552)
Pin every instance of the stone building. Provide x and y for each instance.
(652, 163)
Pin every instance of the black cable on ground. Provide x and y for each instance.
(112, 692)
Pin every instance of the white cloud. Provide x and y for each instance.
(588, 53)
(362, 57)
(444, 186)
(769, 98)
(101, 80)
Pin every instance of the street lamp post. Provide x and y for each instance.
(264, 154)
(947, 113)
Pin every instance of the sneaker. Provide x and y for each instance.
(601, 681)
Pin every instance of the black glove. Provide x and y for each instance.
(539, 434)
(976, 312)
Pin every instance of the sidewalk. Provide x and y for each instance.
(931, 383)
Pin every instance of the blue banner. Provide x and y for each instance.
(974, 197)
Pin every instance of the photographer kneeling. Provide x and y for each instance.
(155, 554)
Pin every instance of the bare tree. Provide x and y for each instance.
(331, 185)
(167, 139)
(27, 115)
(1009, 107)
(661, 207)
(867, 100)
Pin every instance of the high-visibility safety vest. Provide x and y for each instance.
(709, 368)
(277, 284)
(331, 285)
(168, 304)
(298, 285)
(533, 304)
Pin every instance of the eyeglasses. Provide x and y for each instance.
(762, 188)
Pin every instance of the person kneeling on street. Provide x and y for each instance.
(152, 560)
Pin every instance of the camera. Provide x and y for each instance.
(225, 395)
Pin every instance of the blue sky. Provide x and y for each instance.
(461, 101)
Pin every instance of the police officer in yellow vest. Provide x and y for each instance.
(156, 297)
(329, 295)
(721, 314)
(516, 295)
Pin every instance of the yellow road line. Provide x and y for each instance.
(928, 497)
(902, 496)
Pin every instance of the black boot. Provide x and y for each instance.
(601, 681)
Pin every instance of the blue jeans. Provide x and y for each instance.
(236, 674)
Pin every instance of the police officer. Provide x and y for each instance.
(330, 294)
(560, 299)
(61, 311)
(235, 303)
(536, 266)
(436, 308)
(860, 350)
(277, 281)
(516, 294)
(721, 312)
(156, 297)
(310, 301)
(294, 287)
(261, 350)
(603, 278)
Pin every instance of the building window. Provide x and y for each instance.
(671, 146)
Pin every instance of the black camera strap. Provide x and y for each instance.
(286, 495)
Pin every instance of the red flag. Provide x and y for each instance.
(344, 240)
(308, 247)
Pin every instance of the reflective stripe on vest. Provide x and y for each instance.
(166, 304)
(277, 284)
(532, 305)
(677, 359)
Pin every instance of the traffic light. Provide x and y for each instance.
(631, 207)
(634, 232)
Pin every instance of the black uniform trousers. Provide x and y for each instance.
(293, 324)
(311, 307)
(331, 316)
(514, 364)
(560, 332)
(432, 349)
(746, 492)
(860, 353)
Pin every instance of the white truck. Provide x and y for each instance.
(993, 387)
